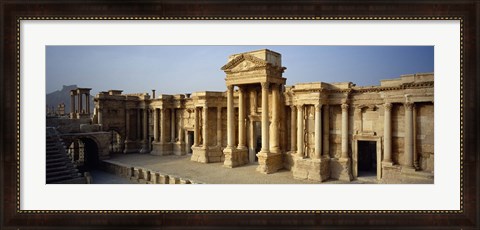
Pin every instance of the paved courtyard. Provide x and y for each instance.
(216, 173)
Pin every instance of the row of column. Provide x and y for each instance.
(321, 141)
(205, 127)
(141, 123)
(408, 138)
(270, 142)
(79, 108)
(159, 135)
(297, 123)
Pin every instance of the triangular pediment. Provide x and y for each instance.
(243, 62)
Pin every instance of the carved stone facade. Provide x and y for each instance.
(319, 130)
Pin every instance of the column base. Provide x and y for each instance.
(341, 169)
(311, 169)
(269, 162)
(199, 154)
(144, 148)
(408, 169)
(385, 163)
(179, 148)
(235, 157)
(130, 147)
(161, 149)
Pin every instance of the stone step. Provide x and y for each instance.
(62, 172)
(56, 164)
(60, 178)
(55, 160)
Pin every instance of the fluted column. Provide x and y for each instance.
(326, 131)
(197, 130)
(274, 135)
(265, 125)
(230, 125)
(387, 133)
(344, 131)
(409, 135)
(300, 131)
(162, 125)
(293, 128)
(318, 131)
(219, 126)
(155, 125)
(241, 118)
(172, 125)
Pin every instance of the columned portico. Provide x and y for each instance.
(161, 147)
(129, 144)
(77, 110)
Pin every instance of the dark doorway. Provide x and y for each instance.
(258, 138)
(367, 158)
(189, 142)
(90, 154)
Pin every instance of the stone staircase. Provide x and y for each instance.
(60, 169)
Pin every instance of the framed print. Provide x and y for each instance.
(270, 137)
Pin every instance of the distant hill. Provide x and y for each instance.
(63, 96)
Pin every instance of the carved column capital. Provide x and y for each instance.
(264, 85)
(408, 105)
(318, 107)
(344, 106)
(388, 106)
(229, 87)
(300, 107)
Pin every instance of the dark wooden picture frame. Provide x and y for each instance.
(13, 218)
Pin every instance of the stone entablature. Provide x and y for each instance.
(317, 130)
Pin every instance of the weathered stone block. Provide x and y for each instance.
(269, 162)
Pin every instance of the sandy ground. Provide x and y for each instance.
(215, 173)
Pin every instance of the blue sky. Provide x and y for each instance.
(186, 69)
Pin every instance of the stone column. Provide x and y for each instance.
(205, 127)
(138, 124)
(230, 125)
(300, 141)
(99, 118)
(387, 134)
(241, 118)
(265, 125)
(127, 125)
(196, 129)
(274, 127)
(87, 103)
(80, 107)
(219, 126)
(172, 125)
(344, 131)
(162, 125)
(180, 128)
(408, 135)
(155, 125)
(145, 131)
(293, 128)
(318, 131)
(326, 131)
(72, 103)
